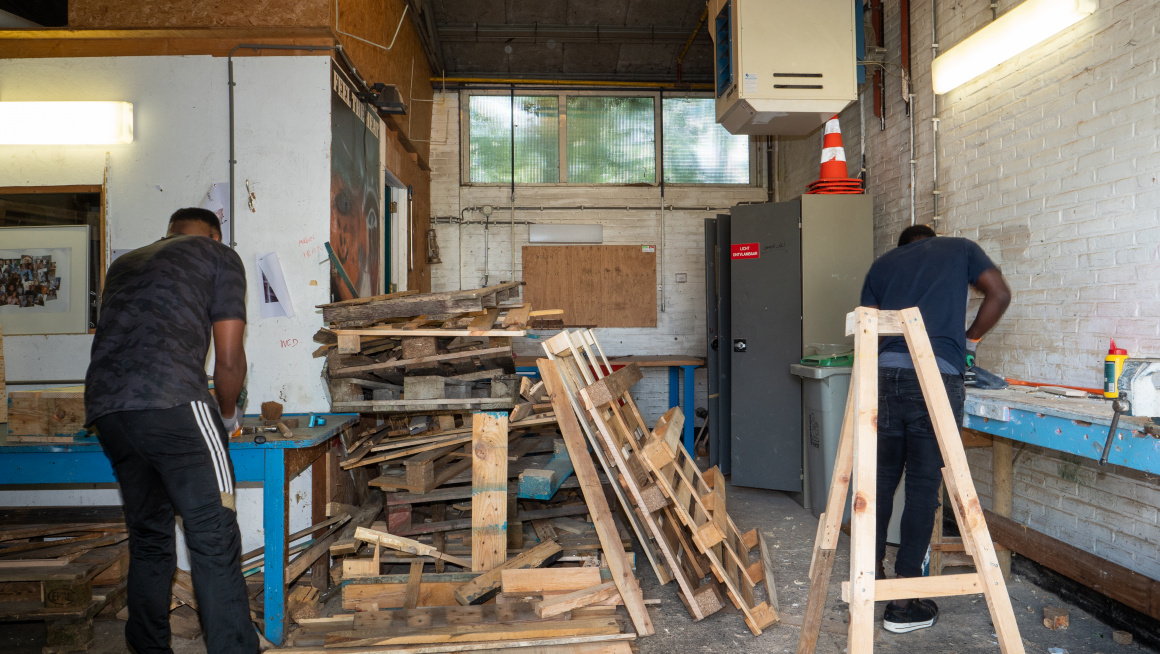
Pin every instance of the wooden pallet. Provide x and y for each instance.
(648, 511)
(856, 464)
(711, 531)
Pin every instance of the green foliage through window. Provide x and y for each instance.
(610, 140)
(697, 149)
(537, 143)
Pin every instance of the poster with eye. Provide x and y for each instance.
(355, 190)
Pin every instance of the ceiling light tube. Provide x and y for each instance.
(1016, 31)
(66, 123)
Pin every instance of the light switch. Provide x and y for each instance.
(682, 278)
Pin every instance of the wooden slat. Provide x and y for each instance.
(487, 353)
(585, 471)
(406, 545)
(540, 580)
(489, 471)
(886, 590)
(613, 386)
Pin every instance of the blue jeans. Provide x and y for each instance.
(906, 440)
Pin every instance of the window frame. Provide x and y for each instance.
(756, 147)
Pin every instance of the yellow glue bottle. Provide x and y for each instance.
(1113, 366)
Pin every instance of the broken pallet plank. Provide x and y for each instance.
(489, 486)
(486, 585)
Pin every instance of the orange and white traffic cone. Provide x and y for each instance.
(833, 179)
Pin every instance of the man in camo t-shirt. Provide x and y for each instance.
(147, 394)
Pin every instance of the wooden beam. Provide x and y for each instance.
(585, 471)
(865, 475)
(1128, 587)
(541, 580)
(886, 590)
(489, 471)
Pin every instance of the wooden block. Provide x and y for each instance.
(536, 581)
(1122, 637)
(1056, 618)
(489, 471)
(522, 410)
(349, 343)
(486, 585)
(613, 386)
(562, 604)
(345, 390)
(423, 388)
(67, 594)
(542, 483)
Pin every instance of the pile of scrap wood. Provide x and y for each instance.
(62, 566)
(424, 353)
(514, 529)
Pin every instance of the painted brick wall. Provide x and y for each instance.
(680, 327)
(1050, 162)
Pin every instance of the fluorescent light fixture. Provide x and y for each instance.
(66, 123)
(1025, 26)
(565, 233)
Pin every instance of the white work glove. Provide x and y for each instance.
(233, 423)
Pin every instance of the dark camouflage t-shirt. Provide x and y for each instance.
(157, 312)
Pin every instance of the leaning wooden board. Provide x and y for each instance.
(51, 411)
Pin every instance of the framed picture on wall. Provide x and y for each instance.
(44, 275)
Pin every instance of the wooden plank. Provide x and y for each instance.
(34, 531)
(406, 545)
(865, 465)
(387, 406)
(414, 582)
(957, 475)
(394, 596)
(518, 317)
(487, 353)
(486, 585)
(397, 306)
(613, 386)
(767, 576)
(51, 411)
(886, 590)
(484, 322)
(486, 615)
(489, 471)
(585, 471)
(1128, 587)
(476, 633)
(367, 513)
(541, 580)
(442, 333)
(590, 643)
(552, 607)
(889, 323)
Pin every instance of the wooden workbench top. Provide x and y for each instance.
(1087, 409)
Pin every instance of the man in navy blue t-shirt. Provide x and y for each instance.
(931, 273)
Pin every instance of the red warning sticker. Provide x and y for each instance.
(746, 251)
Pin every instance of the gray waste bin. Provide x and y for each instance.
(824, 391)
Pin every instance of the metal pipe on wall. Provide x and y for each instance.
(512, 203)
(934, 109)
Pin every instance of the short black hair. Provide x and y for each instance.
(194, 214)
(915, 233)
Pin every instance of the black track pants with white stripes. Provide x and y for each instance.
(175, 460)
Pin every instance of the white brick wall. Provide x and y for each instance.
(680, 328)
(1051, 163)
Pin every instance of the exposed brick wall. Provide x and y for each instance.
(1050, 162)
(680, 328)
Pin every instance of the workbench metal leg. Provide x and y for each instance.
(674, 386)
(689, 409)
(274, 528)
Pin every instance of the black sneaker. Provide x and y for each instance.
(919, 614)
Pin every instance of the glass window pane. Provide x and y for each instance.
(697, 149)
(611, 140)
(537, 140)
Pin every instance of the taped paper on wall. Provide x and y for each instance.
(217, 200)
(274, 295)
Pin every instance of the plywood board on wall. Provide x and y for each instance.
(595, 285)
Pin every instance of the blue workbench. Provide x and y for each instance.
(273, 464)
(1077, 426)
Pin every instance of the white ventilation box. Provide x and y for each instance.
(782, 66)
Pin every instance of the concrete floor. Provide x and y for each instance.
(964, 624)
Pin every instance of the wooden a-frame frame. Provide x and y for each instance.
(856, 463)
